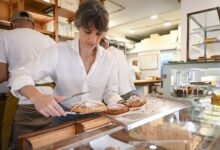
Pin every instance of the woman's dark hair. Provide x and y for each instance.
(92, 12)
(103, 41)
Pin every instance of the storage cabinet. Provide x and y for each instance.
(46, 14)
(203, 35)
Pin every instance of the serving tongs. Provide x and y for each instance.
(77, 94)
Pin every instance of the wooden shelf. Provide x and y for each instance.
(202, 44)
(64, 37)
(46, 32)
(41, 18)
(5, 24)
(66, 13)
(38, 6)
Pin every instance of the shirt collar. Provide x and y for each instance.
(75, 46)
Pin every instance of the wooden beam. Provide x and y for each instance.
(20, 4)
(55, 14)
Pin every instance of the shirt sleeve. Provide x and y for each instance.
(111, 95)
(33, 71)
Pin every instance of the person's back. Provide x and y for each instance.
(23, 45)
(126, 84)
(17, 48)
(136, 70)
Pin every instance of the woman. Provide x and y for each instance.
(76, 66)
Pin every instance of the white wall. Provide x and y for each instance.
(188, 6)
(156, 44)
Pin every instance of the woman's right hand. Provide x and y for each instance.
(48, 105)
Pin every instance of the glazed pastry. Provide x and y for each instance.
(135, 101)
(89, 107)
(116, 109)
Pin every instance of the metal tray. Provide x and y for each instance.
(157, 106)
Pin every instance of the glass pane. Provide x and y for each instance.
(204, 35)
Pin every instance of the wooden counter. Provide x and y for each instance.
(149, 83)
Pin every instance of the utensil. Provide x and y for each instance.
(77, 94)
(70, 113)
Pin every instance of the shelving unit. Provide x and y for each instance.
(64, 37)
(203, 34)
(44, 12)
(202, 44)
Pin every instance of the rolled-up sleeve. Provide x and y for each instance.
(33, 71)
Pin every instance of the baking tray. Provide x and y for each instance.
(157, 106)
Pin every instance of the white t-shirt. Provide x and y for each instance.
(125, 81)
(21, 45)
(135, 70)
(66, 68)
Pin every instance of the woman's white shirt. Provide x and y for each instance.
(64, 64)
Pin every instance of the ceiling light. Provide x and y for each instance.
(166, 24)
(131, 31)
(154, 17)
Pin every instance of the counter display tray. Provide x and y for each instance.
(157, 106)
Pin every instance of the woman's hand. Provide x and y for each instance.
(48, 105)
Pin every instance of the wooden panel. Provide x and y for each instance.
(5, 25)
(47, 137)
(52, 137)
(4, 15)
(41, 18)
(66, 13)
(63, 38)
(38, 5)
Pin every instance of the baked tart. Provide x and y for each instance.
(89, 107)
(135, 101)
(116, 109)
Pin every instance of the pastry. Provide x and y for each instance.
(116, 109)
(180, 92)
(135, 101)
(112, 148)
(89, 107)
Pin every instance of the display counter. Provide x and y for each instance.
(149, 83)
(159, 128)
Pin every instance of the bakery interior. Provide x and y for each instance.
(175, 43)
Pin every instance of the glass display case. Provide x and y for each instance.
(164, 124)
(166, 133)
(191, 79)
(203, 35)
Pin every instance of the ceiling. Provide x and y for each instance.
(135, 15)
